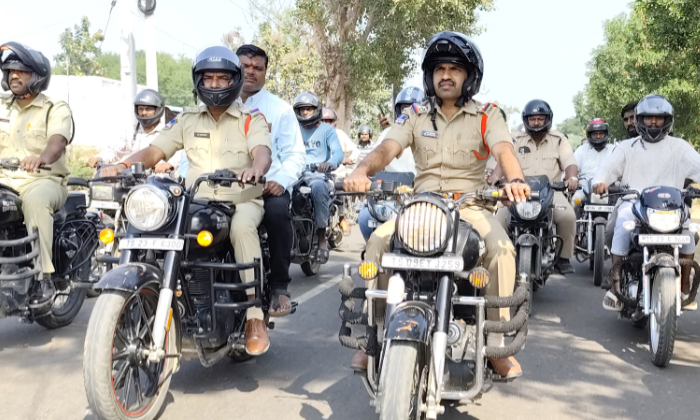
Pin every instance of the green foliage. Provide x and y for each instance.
(571, 126)
(80, 52)
(656, 49)
(366, 109)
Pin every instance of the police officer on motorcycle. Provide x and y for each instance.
(35, 129)
(450, 155)
(221, 134)
(653, 159)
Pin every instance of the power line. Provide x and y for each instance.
(104, 33)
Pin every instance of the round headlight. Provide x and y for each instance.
(423, 228)
(147, 208)
(529, 210)
(664, 220)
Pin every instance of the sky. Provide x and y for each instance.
(532, 49)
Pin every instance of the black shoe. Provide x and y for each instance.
(44, 293)
(565, 266)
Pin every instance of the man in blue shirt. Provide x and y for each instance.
(323, 150)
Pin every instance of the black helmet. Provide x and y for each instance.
(329, 114)
(653, 105)
(597, 124)
(537, 107)
(453, 47)
(217, 59)
(364, 129)
(149, 97)
(304, 100)
(24, 58)
(408, 96)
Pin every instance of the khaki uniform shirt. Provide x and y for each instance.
(550, 158)
(26, 132)
(445, 159)
(211, 145)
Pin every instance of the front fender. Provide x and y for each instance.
(130, 277)
(527, 239)
(661, 261)
(411, 321)
(600, 220)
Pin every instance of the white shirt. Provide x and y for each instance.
(404, 163)
(348, 145)
(139, 141)
(588, 159)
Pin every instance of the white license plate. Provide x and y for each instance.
(422, 264)
(372, 223)
(663, 239)
(152, 243)
(108, 205)
(594, 209)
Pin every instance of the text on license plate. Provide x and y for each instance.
(109, 205)
(152, 243)
(663, 239)
(422, 264)
(372, 223)
(606, 209)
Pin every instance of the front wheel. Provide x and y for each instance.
(400, 382)
(310, 268)
(663, 320)
(66, 306)
(119, 381)
(525, 267)
(599, 255)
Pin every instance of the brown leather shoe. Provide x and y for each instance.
(508, 368)
(359, 360)
(256, 339)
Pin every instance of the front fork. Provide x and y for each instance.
(162, 320)
(646, 282)
(443, 306)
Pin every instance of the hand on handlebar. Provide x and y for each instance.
(357, 182)
(517, 192)
(93, 162)
(601, 188)
(571, 184)
(324, 167)
(248, 174)
(32, 163)
(162, 168)
(112, 170)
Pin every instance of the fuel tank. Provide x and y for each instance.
(10, 206)
(205, 216)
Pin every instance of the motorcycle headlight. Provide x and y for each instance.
(664, 220)
(423, 228)
(147, 208)
(529, 210)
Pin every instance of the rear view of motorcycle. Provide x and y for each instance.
(425, 336)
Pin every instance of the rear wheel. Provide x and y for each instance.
(598, 256)
(400, 383)
(663, 320)
(66, 306)
(310, 268)
(525, 267)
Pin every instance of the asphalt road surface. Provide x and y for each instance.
(580, 362)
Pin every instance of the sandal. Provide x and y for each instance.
(691, 306)
(276, 299)
(611, 302)
(322, 256)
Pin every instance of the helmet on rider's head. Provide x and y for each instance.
(597, 125)
(364, 129)
(217, 59)
(537, 107)
(453, 47)
(329, 114)
(22, 58)
(308, 100)
(653, 106)
(149, 97)
(408, 96)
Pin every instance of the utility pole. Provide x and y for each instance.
(147, 7)
(127, 51)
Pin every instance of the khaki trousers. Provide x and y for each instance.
(40, 199)
(499, 259)
(565, 220)
(246, 243)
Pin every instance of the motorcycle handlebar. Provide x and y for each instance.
(14, 164)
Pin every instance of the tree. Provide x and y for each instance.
(233, 39)
(80, 52)
(571, 126)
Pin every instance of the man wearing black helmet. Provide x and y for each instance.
(544, 151)
(364, 141)
(221, 134)
(653, 159)
(323, 150)
(149, 108)
(36, 130)
(592, 153)
(450, 151)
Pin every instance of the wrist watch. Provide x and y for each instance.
(575, 178)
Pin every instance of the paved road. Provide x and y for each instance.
(580, 362)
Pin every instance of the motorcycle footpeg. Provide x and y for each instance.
(270, 326)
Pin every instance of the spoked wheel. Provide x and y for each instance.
(119, 381)
(598, 257)
(66, 306)
(401, 382)
(662, 320)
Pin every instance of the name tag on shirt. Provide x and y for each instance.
(524, 149)
(433, 134)
(201, 135)
(3, 120)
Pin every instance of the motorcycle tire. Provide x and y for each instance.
(400, 382)
(64, 314)
(309, 268)
(598, 257)
(525, 266)
(99, 359)
(663, 319)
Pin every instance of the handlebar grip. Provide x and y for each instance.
(339, 184)
(535, 194)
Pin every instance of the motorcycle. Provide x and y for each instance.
(381, 211)
(650, 283)
(74, 243)
(176, 293)
(305, 243)
(428, 343)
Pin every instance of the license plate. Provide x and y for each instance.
(107, 205)
(372, 223)
(152, 243)
(663, 239)
(422, 264)
(596, 209)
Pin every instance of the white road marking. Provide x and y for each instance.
(318, 290)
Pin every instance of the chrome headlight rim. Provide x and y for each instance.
(162, 196)
(448, 224)
(536, 207)
(657, 220)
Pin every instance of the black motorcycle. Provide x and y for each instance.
(425, 336)
(650, 284)
(176, 293)
(74, 244)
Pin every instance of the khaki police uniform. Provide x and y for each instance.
(551, 158)
(446, 162)
(211, 145)
(26, 132)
